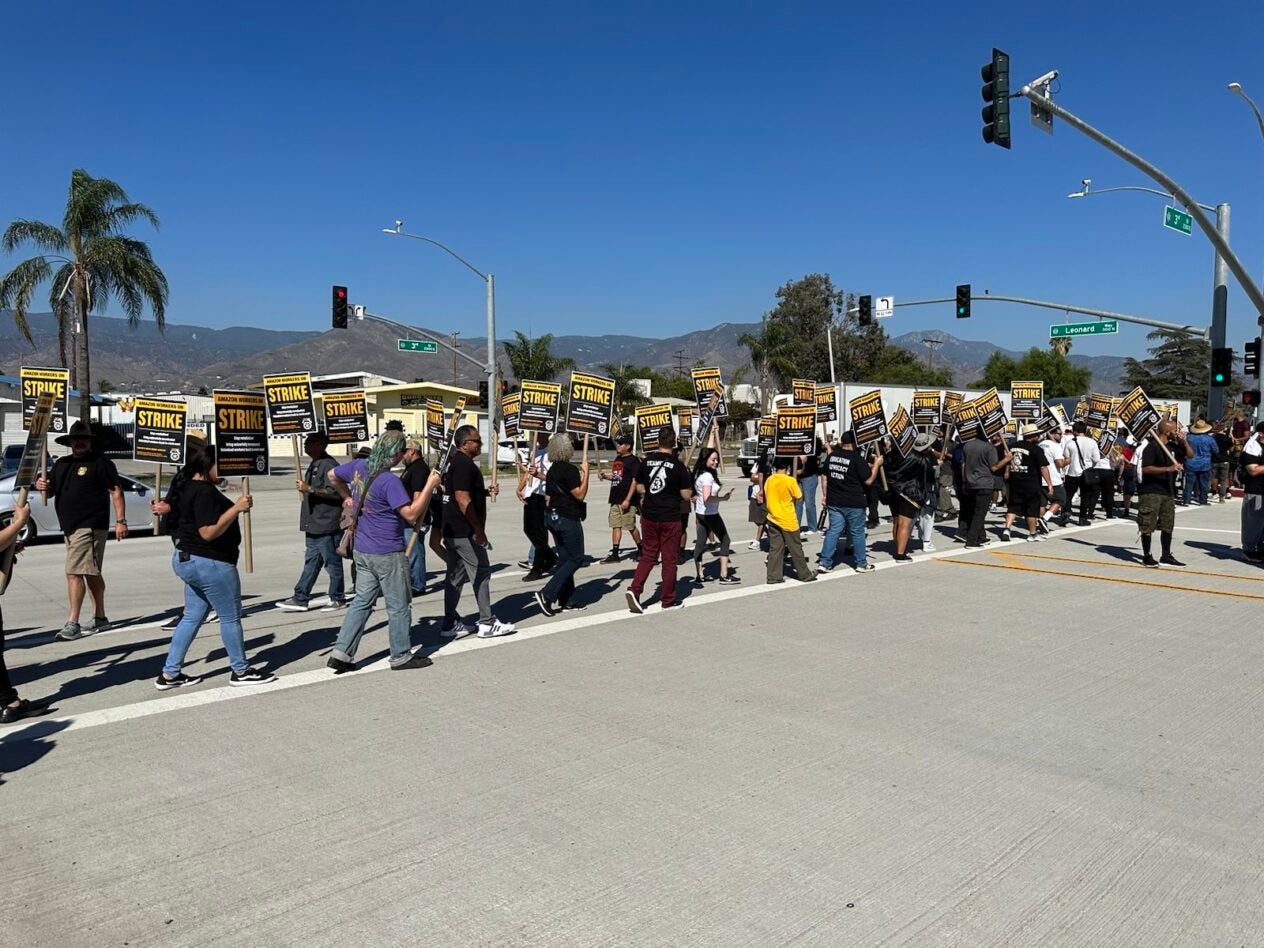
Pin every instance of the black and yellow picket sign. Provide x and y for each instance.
(509, 406)
(1097, 414)
(927, 410)
(991, 413)
(868, 419)
(1026, 400)
(826, 399)
(902, 431)
(767, 436)
(649, 419)
(346, 417)
(796, 430)
(1059, 414)
(803, 391)
(952, 401)
(684, 426)
(966, 417)
(291, 410)
(705, 382)
(589, 405)
(434, 423)
(161, 431)
(538, 407)
(35, 382)
(241, 433)
(1138, 414)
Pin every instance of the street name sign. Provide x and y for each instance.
(1102, 328)
(417, 345)
(1177, 220)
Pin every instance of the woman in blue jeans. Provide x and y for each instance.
(565, 487)
(809, 483)
(208, 541)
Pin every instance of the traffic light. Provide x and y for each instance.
(864, 307)
(340, 307)
(996, 95)
(1251, 397)
(1251, 359)
(963, 301)
(482, 394)
(504, 388)
(1221, 367)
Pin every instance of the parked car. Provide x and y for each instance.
(748, 455)
(13, 458)
(43, 522)
(505, 452)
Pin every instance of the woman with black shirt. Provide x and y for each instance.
(909, 481)
(565, 487)
(208, 540)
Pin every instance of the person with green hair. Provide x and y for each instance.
(384, 508)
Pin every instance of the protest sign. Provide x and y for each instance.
(649, 419)
(684, 426)
(1169, 410)
(589, 405)
(1097, 414)
(1138, 414)
(160, 431)
(1026, 400)
(803, 391)
(767, 436)
(796, 430)
(33, 460)
(1105, 441)
(509, 414)
(1060, 415)
(991, 413)
(902, 431)
(826, 397)
(445, 445)
(1047, 421)
(706, 381)
(927, 410)
(241, 433)
(434, 422)
(290, 407)
(708, 413)
(1081, 409)
(35, 382)
(966, 417)
(537, 409)
(346, 417)
(868, 420)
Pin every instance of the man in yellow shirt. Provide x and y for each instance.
(780, 492)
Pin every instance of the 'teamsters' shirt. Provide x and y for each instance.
(663, 477)
(1024, 469)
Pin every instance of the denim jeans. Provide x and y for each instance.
(208, 584)
(378, 574)
(416, 559)
(1198, 483)
(851, 519)
(320, 551)
(568, 538)
(805, 509)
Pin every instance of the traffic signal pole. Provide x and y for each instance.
(1067, 308)
(1219, 311)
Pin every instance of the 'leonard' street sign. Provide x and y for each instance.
(1102, 327)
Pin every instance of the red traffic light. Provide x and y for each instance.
(341, 292)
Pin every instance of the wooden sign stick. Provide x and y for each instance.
(44, 471)
(246, 536)
(157, 497)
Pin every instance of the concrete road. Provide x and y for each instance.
(1036, 744)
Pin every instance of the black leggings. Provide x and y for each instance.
(8, 694)
(710, 523)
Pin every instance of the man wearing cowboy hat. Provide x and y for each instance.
(1198, 465)
(1030, 484)
(83, 483)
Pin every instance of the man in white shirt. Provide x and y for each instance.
(1082, 453)
(1052, 447)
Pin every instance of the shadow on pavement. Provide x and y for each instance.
(24, 746)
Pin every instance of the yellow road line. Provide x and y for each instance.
(1014, 565)
(1117, 565)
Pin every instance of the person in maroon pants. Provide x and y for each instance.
(662, 483)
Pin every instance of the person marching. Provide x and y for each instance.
(910, 481)
(531, 492)
(1052, 447)
(1198, 465)
(83, 485)
(416, 473)
(1252, 517)
(662, 484)
(1156, 495)
(208, 543)
(781, 490)
(14, 708)
(622, 478)
(381, 508)
(318, 518)
(1030, 483)
(706, 500)
(847, 475)
(465, 539)
(979, 465)
(1081, 475)
(164, 509)
(566, 487)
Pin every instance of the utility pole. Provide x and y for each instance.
(680, 363)
(931, 345)
(455, 333)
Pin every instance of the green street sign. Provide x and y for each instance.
(1101, 328)
(417, 345)
(1178, 220)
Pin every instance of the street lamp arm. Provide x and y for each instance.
(1236, 89)
(414, 331)
(443, 247)
(1131, 187)
(1067, 308)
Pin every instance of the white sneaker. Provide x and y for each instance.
(1041, 538)
(753, 545)
(317, 601)
(928, 548)
(1032, 538)
(456, 629)
(495, 628)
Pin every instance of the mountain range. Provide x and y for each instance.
(188, 357)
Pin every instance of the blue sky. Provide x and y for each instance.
(642, 168)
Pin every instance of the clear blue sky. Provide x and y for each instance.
(647, 168)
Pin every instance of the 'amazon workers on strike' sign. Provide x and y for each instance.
(1026, 400)
(826, 397)
(649, 419)
(926, 409)
(290, 406)
(509, 414)
(160, 431)
(590, 404)
(868, 420)
(705, 382)
(537, 410)
(241, 433)
(56, 382)
(795, 427)
(346, 417)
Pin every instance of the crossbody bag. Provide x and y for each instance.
(350, 519)
(1091, 475)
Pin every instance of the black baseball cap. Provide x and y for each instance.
(623, 439)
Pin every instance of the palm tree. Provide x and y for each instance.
(533, 359)
(97, 261)
(1061, 345)
(770, 354)
(626, 395)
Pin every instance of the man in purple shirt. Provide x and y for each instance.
(378, 551)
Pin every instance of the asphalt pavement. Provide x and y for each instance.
(1030, 744)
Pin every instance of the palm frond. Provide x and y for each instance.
(88, 204)
(44, 236)
(18, 286)
(120, 216)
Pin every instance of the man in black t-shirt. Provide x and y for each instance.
(465, 538)
(1253, 496)
(847, 475)
(1156, 494)
(1030, 484)
(84, 484)
(623, 496)
(662, 483)
(416, 473)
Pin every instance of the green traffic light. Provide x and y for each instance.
(1220, 377)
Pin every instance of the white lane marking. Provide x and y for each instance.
(1209, 530)
(39, 727)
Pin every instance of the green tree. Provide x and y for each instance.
(1178, 367)
(533, 358)
(1061, 378)
(897, 366)
(105, 386)
(626, 395)
(86, 261)
(772, 358)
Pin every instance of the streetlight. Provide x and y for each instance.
(1236, 89)
(1219, 281)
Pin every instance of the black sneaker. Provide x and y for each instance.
(532, 576)
(731, 580)
(611, 557)
(1150, 562)
(1170, 560)
(902, 558)
(1005, 536)
(339, 666)
(1042, 527)
(545, 606)
(524, 564)
(163, 683)
(572, 607)
(417, 661)
(634, 602)
(251, 676)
